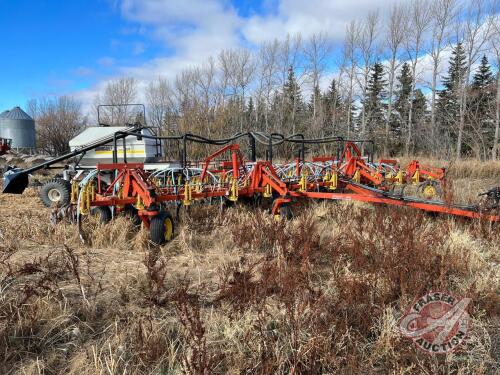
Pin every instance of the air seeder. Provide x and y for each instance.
(151, 197)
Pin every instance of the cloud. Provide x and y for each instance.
(83, 71)
(312, 16)
(138, 48)
(193, 30)
(106, 61)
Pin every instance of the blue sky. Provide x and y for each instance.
(52, 46)
(73, 47)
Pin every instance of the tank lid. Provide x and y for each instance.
(15, 113)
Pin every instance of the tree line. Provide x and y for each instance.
(422, 79)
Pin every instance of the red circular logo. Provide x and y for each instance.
(437, 322)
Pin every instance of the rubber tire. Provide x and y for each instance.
(131, 213)
(256, 201)
(157, 228)
(286, 212)
(62, 186)
(104, 213)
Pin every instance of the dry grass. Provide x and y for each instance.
(239, 293)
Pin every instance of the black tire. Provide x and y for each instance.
(256, 201)
(132, 213)
(161, 228)
(285, 212)
(103, 213)
(56, 192)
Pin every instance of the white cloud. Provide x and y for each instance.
(83, 71)
(192, 27)
(138, 48)
(106, 61)
(197, 29)
(311, 16)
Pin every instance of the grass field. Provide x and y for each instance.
(239, 293)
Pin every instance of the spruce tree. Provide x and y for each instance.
(483, 88)
(448, 104)
(481, 107)
(374, 101)
(420, 114)
(401, 105)
(419, 106)
(315, 99)
(249, 115)
(333, 107)
(483, 78)
(293, 104)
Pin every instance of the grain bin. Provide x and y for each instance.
(18, 126)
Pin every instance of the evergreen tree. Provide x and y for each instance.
(419, 106)
(314, 101)
(332, 103)
(401, 105)
(420, 119)
(483, 89)
(403, 95)
(374, 101)
(483, 78)
(480, 108)
(448, 104)
(249, 115)
(293, 104)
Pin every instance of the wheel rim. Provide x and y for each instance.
(54, 195)
(169, 229)
(429, 191)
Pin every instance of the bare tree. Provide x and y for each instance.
(204, 77)
(117, 93)
(368, 51)
(57, 121)
(316, 51)
(288, 57)
(237, 71)
(349, 63)
(475, 31)
(228, 63)
(395, 35)
(495, 44)
(159, 96)
(267, 71)
(442, 14)
(244, 74)
(419, 15)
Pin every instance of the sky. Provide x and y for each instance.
(73, 47)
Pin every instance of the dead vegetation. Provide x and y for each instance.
(240, 293)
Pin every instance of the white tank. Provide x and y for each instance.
(138, 151)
